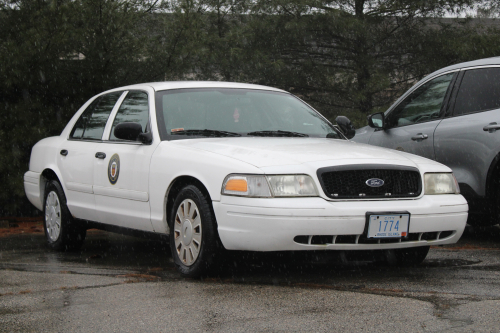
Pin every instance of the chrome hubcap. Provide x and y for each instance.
(187, 232)
(53, 216)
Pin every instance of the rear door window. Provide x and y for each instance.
(479, 91)
(90, 125)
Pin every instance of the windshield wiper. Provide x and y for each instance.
(205, 132)
(278, 133)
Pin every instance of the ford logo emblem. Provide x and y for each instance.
(374, 182)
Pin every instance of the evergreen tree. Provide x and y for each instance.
(55, 55)
(347, 56)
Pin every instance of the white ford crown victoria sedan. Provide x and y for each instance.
(232, 166)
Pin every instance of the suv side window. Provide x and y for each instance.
(134, 108)
(423, 104)
(90, 125)
(479, 91)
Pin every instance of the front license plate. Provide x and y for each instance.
(388, 225)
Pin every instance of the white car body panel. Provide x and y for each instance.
(259, 224)
(265, 151)
(271, 224)
(33, 189)
(165, 169)
(77, 172)
(125, 204)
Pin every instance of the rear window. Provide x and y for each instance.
(479, 91)
(90, 125)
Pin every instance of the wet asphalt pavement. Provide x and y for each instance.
(125, 284)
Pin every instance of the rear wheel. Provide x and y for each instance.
(494, 209)
(486, 212)
(193, 233)
(411, 256)
(63, 233)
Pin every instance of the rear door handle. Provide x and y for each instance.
(63, 152)
(491, 128)
(100, 155)
(419, 137)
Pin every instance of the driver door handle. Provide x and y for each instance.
(100, 155)
(491, 128)
(419, 137)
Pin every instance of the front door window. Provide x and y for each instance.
(424, 104)
(134, 108)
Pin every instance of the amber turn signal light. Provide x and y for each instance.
(239, 185)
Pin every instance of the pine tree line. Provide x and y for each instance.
(349, 57)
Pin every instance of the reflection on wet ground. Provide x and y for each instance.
(111, 254)
(113, 277)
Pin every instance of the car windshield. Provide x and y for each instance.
(223, 112)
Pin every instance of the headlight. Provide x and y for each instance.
(440, 183)
(246, 185)
(269, 186)
(292, 186)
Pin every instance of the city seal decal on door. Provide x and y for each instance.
(114, 169)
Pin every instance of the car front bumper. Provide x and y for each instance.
(32, 188)
(273, 224)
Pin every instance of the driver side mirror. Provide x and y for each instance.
(346, 126)
(376, 120)
(132, 131)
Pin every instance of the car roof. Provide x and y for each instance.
(474, 63)
(168, 85)
(468, 64)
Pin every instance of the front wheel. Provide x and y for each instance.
(410, 256)
(193, 233)
(63, 233)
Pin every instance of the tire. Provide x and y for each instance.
(484, 220)
(194, 240)
(485, 212)
(494, 210)
(62, 232)
(411, 256)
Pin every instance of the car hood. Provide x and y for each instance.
(318, 152)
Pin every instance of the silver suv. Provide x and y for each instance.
(451, 116)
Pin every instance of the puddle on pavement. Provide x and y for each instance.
(103, 250)
(448, 262)
(110, 251)
(489, 268)
(482, 236)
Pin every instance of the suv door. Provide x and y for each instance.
(76, 159)
(121, 179)
(410, 125)
(469, 139)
